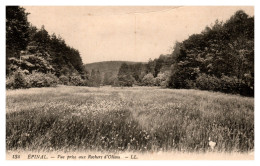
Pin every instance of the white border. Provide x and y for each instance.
(132, 2)
(124, 3)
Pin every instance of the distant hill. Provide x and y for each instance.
(107, 67)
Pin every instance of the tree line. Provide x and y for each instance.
(220, 58)
(34, 58)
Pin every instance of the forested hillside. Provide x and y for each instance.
(107, 70)
(220, 58)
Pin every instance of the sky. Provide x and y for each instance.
(127, 33)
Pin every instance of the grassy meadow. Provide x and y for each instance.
(136, 119)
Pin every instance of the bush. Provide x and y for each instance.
(230, 84)
(126, 80)
(148, 80)
(41, 80)
(9, 83)
(35, 79)
(76, 80)
(16, 81)
(206, 82)
(190, 84)
(164, 84)
(51, 79)
(64, 80)
(224, 84)
(159, 79)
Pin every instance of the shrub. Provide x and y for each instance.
(164, 84)
(10, 83)
(206, 82)
(148, 80)
(64, 80)
(37, 79)
(159, 79)
(16, 81)
(189, 84)
(224, 84)
(230, 84)
(76, 80)
(51, 79)
(126, 80)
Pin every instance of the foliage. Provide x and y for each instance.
(206, 82)
(126, 80)
(94, 78)
(111, 68)
(108, 78)
(31, 63)
(162, 79)
(76, 80)
(115, 83)
(221, 58)
(37, 79)
(138, 71)
(9, 83)
(148, 80)
(56, 51)
(34, 50)
(17, 80)
(17, 32)
(124, 76)
(64, 80)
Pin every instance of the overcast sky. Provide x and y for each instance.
(126, 33)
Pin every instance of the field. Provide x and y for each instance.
(136, 119)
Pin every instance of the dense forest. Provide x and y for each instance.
(220, 58)
(34, 58)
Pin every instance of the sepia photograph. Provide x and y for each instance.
(129, 82)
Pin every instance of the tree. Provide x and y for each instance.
(36, 52)
(148, 80)
(108, 78)
(98, 78)
(124, 76)
(41, 40)
(161, 79)
(150, 67)
(30, 63)
(158, 65)
(17, 32)
(222, 54)
(137, 70)
(62, 55)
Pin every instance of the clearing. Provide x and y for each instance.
(135, 119)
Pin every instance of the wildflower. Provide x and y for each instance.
(212, 144)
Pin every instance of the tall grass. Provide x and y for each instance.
(128, 119)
